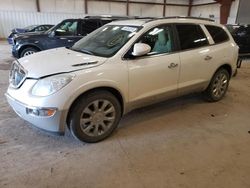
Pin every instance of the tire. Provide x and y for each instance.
(95, 116)
(28, 51)
(218, 86)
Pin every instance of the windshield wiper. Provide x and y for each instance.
(81, 50)
(86, 51)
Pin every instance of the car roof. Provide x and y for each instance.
(132, 22)
(45, 25)
(142, 21)
(108, 17)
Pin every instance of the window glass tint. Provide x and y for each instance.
(106, 41)
(191, 36)
(248, 29)
(232, 28)
(103, 22)
(217, 33)
(243, 30)
(40, 28)
(30, 27)
(68, 28)
(46, 27)
(88, 26)
(159, 39)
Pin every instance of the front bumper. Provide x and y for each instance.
(55, 123)
(15, 51)
(10, 40)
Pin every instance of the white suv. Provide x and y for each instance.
(119, 67)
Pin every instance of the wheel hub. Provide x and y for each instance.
(28, 53)
(98, 117)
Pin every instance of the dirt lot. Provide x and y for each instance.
(182, 143)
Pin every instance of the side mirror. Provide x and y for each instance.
(141, 49)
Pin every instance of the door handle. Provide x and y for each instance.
(70, 40)
(207, 58)
(172, 65)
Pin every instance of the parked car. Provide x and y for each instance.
(65, 34)
(31, 28)
(119, 67)
(241, 35)
(232, 28)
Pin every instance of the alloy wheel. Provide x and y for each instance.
(220, 85)
(28, 53)
(97, 118)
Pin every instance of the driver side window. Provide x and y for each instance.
(159, 39)
(68, 28)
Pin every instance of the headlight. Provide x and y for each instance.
(52, 84)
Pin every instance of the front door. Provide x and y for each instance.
(154, 77)
(65, 35)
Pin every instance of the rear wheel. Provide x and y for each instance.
(28, 51)
(218, 86)
(95, 116)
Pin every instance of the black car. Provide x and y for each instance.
(65, 34)
(31, 28)
(241, 35)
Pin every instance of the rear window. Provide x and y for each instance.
(218, 34)
(191, 36)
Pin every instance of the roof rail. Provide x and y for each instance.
(185, 17)
(106, 16)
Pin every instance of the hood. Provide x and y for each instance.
(58, 60)
(19, 30)
(30, 35)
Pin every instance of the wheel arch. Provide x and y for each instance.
(228, 67)
(208, 93)
(27, 46)
(112, 90)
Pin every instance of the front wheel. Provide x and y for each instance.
(28, 51)
(218, 86)
(95, 116)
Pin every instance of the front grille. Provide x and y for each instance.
(17, 75)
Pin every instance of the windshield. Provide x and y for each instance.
(106, 41)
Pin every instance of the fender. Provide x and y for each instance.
(95, 85)
(22, 46)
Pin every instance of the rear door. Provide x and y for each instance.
(195, 56)
(223, 50)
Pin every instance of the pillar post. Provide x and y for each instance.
(224, 10)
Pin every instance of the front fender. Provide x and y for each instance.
(35, 44)
(95, 85)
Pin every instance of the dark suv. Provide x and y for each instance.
(241, 35)
(64, 34)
